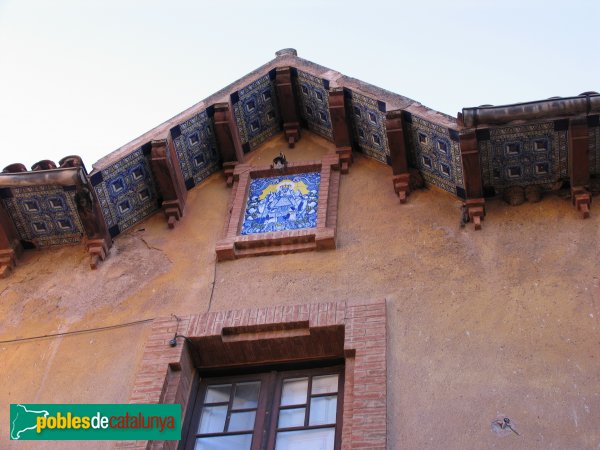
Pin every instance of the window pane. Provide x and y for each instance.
(294, 391)
(246, 395)
(291, 417)
(242, 421)
(217, 393)
(320, 439)
(239, 442)
(325, 384)
(322, 410)
(213, 419)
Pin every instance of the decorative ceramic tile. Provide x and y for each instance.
(44, 215)
(126, 191)
(435, 151)
(525, 154)
(368, 125)
(313, 99)
(282, 203)
(256, 113)
(196, 148)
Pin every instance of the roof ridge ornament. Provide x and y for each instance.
(286, 51)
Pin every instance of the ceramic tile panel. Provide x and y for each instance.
(521, 155)
(126, 190)
(368, 125)
(313, 103)
(435, 151)
(44, 215)
(282, 203)
(256, 113)
(196, 148)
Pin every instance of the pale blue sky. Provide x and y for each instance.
(85, 77)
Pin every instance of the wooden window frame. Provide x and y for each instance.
(267, 412)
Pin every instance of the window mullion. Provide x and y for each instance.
(230, 406)
(271, 406)
(308, 392)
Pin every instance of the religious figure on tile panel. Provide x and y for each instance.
(282, 203)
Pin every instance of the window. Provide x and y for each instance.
(283, 410)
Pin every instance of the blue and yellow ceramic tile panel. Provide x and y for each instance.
(126, 191)
(594, 144)
(313, 98)
(196, 148)
(44, 215)
(368, 125)
(287, 202)
(256, 113)
(522, 155)
(435, 151)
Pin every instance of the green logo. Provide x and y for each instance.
(95, 422)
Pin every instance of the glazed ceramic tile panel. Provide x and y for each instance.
(196, 148)
(288, 202)
(594, 145)
(256, 113)
(523, 155)
(435, 151)
(313, 98)
(44, 215)
(126, 191)
(368, 125)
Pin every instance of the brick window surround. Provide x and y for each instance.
(235, 245)
(354, 332)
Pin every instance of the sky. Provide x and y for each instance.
(87, 76)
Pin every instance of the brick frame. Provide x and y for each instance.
(167, 373)
(233, 245)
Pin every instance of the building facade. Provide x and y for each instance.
(294, 261)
